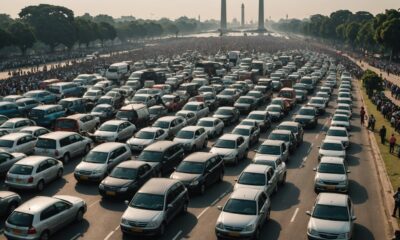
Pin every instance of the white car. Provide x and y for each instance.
(319, 103)
(275, 111)
(7, 160)
(231, 148)
(192, 138)
(331, 148)
(340, 120)
(331, 175)
(145, 137)
(274, 149)
(250, 133)
(36, 131)
(199, 108)
(260, 177)
(114, 131)
(332, 216)
(339, 133)
(213, 126)
(15, 124)
(18, 142)
(171, 124)
(191, 117)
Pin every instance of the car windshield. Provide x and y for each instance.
(332, 146)
(6, 143)
(256, 117)
(21, 169)
(20, 219)
(124, 173)
(278, 136)
(293, 129)
(139, 99)
(96, 157)
(317, 101)
(65, 104)
(91, 94)
(274, 109)
(269, 149)
(190, 167)
(222, 143)
(341, 118)
(101, 109)
(190, 107)
(7, 125)
(238, 206)
(308, 112)
(245, 100)
(266, 162)
(46, 143)
(331, 168)
(151, 156)
(224, 112)
(185, 134)
(242, 132)
(161, 124)
(108, 128)
(205, 123)
(148, 201)
(145, 135)
(332, 213)
(336, 133)
(105, 101)
(227, 93)
(125, 114)
(66, 124)
(249, 178)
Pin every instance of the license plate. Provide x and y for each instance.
(109, 193)
(234, 234)
(136, 229)
(18, 180)
(84, 177)
(17, 231)
(330, 187)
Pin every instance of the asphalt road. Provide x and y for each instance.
(288, 218)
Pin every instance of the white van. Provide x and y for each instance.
(117, 71)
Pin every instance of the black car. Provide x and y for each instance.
(163, 156)
(126, 179)
(200, 170)
(228, 115)
(307, 117)
(8, 202)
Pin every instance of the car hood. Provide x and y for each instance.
(184, 177)
(343, 139)
(344, 123)
(331, 177)
(238, 186)
(140, 215)
(304, 117)
(222, 116)
(225, 96)
(236, 220)
(18, 155)
(99, 133)
(268, 157)
(241, 105)
(141, 142)
(183, 141)
(71, 199)
(117, 182)
(328, 226)
(223, 151)
(332, 153)
(91, 166)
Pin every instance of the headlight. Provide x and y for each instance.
(97, 172)
(318, 180)
(194, 183)
(101, 186)
(124, 189)
(343, 182)
(220, 225)
(312, 232)
(124, 221)
(249, 227)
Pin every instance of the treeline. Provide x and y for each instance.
(361, 30)
(57, 25)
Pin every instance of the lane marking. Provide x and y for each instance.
(316, 136)
(93, 203)
(117, 228)
(220, 198)
(204, 211)
(294, 215)
(177, 235)
(109, 235)
(76, 236)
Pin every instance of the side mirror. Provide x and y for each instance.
(353, 218)
(348, 171)
(236, 180)
(219, 208)
(126, 202)
(308, 213)
(314, 169)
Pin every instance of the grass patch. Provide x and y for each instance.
(392, 162)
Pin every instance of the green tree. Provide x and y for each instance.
(22, 35)
(86, 31)
(389, 33)
(106, 32)
(53, 25)
(5, 38)
(371, 82)
(351, 33)
(104, 18)
(365, 36)
(5, 20)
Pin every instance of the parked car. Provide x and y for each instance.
(274, 149)
(156, 112)
(7, 160)
(42, 96)
(331, 175)
(146, 136)
(246, 104)
(13, 125)
(331, 148)
(34, 172)
(10, 110)
(100, 161)
(103, 111)
(250, 133)
(198, 108)
(231, 148)
(213, 126)
(340, 134)
(18, 142)
(307, 117)
(114, 131)
(35, 131)
(260, 177)
(276, 112)
(171, 124)
(199, 170)
(189, 116)
(74, 105)
(25, 105)
(80, 123)
(244, 214)
(41, 216)
(228, 115)
(262, 118)
(46, 115)
(286, 136)
(340, 120)
(9, 201)
(277, 165)
(156, 204)
(173, 102)
(192, 138)
(295, 128)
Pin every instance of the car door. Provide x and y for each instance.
(74, 146)
(30, 143)
(279, 168)
(262, 209)
(144, 174)
(42, 171)
(121, 131)
(242, 146)
(273, 178)
(171, 206)
(49, 219)
(65, 215)
(284, 152)
(52, 168)
(20, 145)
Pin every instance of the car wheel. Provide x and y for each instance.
(202, 189)
(79, 216)
(40, 186)
(45, 235)
(66, 158)
(60, 173)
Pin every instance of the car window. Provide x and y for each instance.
(283, 147)
(179, 190)
(65, 142)
(42, 166)
(21, 141)
(170, 197)
(261, 201)
(51, 162)
(278, 162)
(48, 213)
(61, 206)
(5, 157)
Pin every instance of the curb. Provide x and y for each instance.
(386, 190)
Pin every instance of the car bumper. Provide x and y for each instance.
(11, 236)
(138, 231)
(88, 178)
(233, 235)
(20, 186)
(312, 237)
(116, 194)
(135, 148)
(331, 188)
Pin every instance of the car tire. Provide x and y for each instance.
(79, 215)
(45, 235)
(60, 173)
(40, 186)
(66, 158)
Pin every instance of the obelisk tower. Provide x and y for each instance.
(261, 19)
(223, 15)
(242, 23)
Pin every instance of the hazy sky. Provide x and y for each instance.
(207, 9)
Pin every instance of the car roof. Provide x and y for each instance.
(258, 112)
(32, 160)
(328, 140)
(32, 128)
(158, 185)
(289, 123)
(227, 108)
(132, 164)
(114, 122)
(208, 119)
(281, 131)
(46, 107)
(336, 160)
(14, 136)
(256, 168)
(247, 127)
(77, 116)
(168, 118)
(230, 136)
(37, 204)
(16, 119)
(133, 106)
(150, 129)
(160, 146)
(108, 147)
(273, 142)
(199, 157)
(246, 194)
(57, 135)
(334, 199)
(191, 128)
(337, 128)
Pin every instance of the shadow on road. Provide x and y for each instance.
(212, 194)
(87, 188)
(271, 230)
(361, 232)
(358, 192)
(279, 203)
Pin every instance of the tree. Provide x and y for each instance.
(351, 32)
(389, 33)
(86, 30)
(104, 18)
(22, 35)
(53, 25)
(362, 17)
(5, 20)
(106, 32)
(365, 36)
(371, 82)
(5, 38)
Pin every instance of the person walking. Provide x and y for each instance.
(373, 120)
(362, 116)
(396, 197)
(392, 143)
(382, 133)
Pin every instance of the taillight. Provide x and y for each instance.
(30, 180)
(32, 230)
(56, 153)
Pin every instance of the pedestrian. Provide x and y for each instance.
(392, 143)
(362, 116)
(373, 120)
(396, 197)
(382, 133)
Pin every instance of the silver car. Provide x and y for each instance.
(145, 137)
(172, 124)
(244, 214)
(18, 142)
(192, 138)
(199, 108)
(34, 172)
(331, 175)
(115, 131)
(332, 217)
(277, 165)
(273, 148)
(260, 177)
(231, 148)
(40, 217)
(213, 126)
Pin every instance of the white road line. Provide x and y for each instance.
(220, 197)
(76, 236)
(294, 215)
(316, 136)
(109, 235)
(117, 228)
(93, 203)
(204, 211)
(177, 235)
